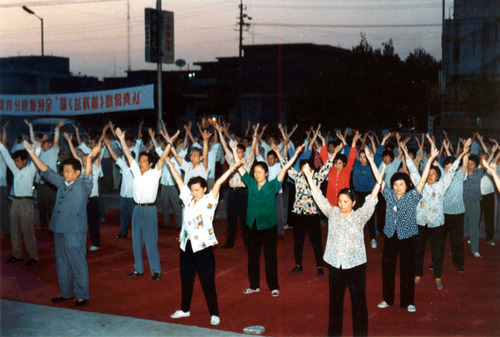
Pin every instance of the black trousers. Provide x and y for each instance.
(257, 239)
(355, 280)
(488, 209)
(202, 261)
(435, 236)
(46, 200)
(406, 250)
(93, 218)
(371, 222)
(291, 200)
(381, 206)
(311, 224)
(237, 201)
(454, 226)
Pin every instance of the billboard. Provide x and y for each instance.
(159, 31)
(82, 103)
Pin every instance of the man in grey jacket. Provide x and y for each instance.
(69, 224)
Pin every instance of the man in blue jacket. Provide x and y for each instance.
(69, 224)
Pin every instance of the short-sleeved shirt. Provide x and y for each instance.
(197, 220)
(401, 214)
(127, 188)
(190, 172)
(345, 245)
(261, 203)
(146, 185)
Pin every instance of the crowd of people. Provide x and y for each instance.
(404, 188)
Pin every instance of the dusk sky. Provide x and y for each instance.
(94, 35)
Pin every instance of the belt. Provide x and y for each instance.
(23, 197)
(142, 205)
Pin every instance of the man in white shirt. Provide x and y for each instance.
(145, 216)
(199, 161)
(22, 211)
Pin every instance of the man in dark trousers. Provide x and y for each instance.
(69, 224)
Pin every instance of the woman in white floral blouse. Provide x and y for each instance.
(197, 238)
(345, 253)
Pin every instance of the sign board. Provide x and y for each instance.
(159, 31)
(82, 103)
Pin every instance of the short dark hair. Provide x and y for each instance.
(388, 153)
(272, 153)
(438, 171)
(261, 164)
(241, 147)
(402, 176)
(474, 158)
(129, 137)
(350, 193)
(197, 180)
(448, 160)
(21, 154)
(340, 156)
(73, 162)
(302, 162)
(197, 149)
(150, 157)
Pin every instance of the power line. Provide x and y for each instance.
(348, 26)
(51, 3)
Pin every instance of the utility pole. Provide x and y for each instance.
(242, 24)
(128, 36)
(442, 88)
(159, 67)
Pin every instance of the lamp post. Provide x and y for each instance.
(41, 20)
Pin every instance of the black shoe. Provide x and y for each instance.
(296, 270)
(321, 273)
(135, 274)
(156, 277)
(81, 303)
(460, 269)
(12, 259)
(431, 267)
(32, 262)
(60, 299)
(227, 245)
(119, 236)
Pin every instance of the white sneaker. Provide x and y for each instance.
(374, 243)
(411, 308)
(275, 293)
(181, 314)
(491, 243)
(93, 248)
(383, 305)
(476, 254)
(468, 242)
(214, 320)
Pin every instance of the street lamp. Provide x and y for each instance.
(41, 20)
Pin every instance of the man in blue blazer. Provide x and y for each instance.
(69, 224)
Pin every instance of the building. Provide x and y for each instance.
(471, 63)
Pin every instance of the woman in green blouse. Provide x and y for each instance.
(262, 221)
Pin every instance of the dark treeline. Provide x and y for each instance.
(375, 90)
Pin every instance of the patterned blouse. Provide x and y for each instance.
(401, 214)
(345, 246)
(235, 179)
(304, 203)
(430, 208)
(197, 220)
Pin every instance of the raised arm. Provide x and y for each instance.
(38, 162)
(126, 151)
(285, 167)
(88, 168)
(378, 185)
(57, 134)
(4, 133)
(32, 133)
(314, 136)
(218, 127)
(369, 157)
(218, 183)
(71, 146)
(206, 138)
(168, 148)
(153, 137)
(425, 174)
(492, 169)
(112, 152)
(77, 133)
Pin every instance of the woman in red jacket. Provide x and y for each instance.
(339, 176)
